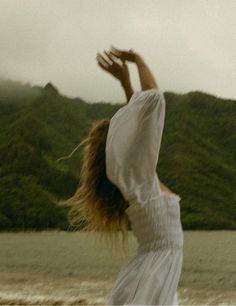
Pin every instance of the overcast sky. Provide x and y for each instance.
(189, 44)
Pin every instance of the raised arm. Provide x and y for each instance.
(146, 77)
(126, 84)
(119, 69)
(114, 62)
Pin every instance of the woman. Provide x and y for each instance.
(120, 185)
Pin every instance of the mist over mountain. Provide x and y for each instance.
(39, 124)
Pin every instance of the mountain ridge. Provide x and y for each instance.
(197, 157)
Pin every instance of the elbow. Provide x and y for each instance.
(151, 85)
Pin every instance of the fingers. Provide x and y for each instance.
(118, 52)
(111, 57)
(101, 60)
(104, 67)
(107, 62)
(114, 51)
(110, 62)
(128, 55)
(115, 54)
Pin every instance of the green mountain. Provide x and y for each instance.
(38, 125)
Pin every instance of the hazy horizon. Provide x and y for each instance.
(189, 45)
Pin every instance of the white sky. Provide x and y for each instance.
(188, 44)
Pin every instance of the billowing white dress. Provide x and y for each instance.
(151, 276)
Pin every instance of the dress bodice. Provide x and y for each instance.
(157, 224)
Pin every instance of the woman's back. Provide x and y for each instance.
(151, 276)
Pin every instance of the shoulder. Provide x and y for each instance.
(139, 101)
(153, 95)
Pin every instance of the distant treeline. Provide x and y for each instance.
(38, 125)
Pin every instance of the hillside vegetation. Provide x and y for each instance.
(38, 125)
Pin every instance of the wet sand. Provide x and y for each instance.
(58, 268)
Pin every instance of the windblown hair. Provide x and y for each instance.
(98, 205)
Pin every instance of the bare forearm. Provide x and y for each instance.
(128, 89)
(146, 77)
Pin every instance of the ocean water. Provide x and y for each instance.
(62, 268)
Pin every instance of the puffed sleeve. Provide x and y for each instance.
(133, 144)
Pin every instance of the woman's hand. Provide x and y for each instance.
(129, 55)
(117, 68)
(146, 77)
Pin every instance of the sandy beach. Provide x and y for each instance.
(60, 268)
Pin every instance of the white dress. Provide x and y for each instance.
(151, 276)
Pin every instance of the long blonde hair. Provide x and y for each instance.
(98, 205)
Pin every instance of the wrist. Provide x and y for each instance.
(128, 89)
(139, 60)
(138, 57)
